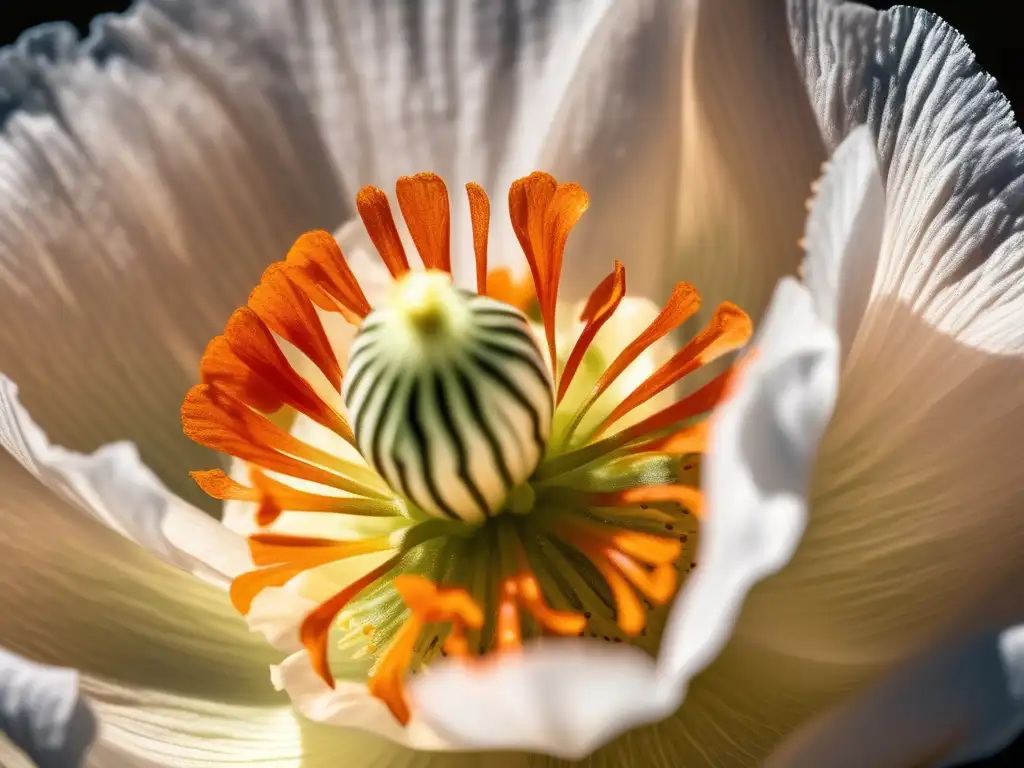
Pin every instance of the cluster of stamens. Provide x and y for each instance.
(520, 507)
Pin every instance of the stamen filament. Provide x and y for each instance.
(681, 306)
(214, 418)
(728, 330)
(602, 304)
(685, 496)
(316, 626)
(693, 405)
(611, 551)
(692, 439)
(520, 589)
(427, 604)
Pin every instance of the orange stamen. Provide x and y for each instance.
(566, 623)
(614, 552)
(695, 404)
(288, 311)
(222, 368)
(728, 330)
(254, 344)
(630, 613)
(509, 636)
(375, 211)
(423, 199)
(543, 213)
(285, 563)
(277, 548)
(317, 625)
(274, 497)
(521, 590)
(216, 484)
(681, 305)
(657, 585)
(692, 439)
(480, 216)
(212, 417)
(601, 305)
(503, 286)
(684, 495)
(317, 263)
(428, 604)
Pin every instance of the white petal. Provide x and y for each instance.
(350, 706)
(162, 729)
(951, 156)
(916, 492)
(956, 704)
(169, 667)
(41, 711)
(75, 593)
(567, 698)
(487, 92)
(114, 487)
(149, 174)
(844, 236)
(751, 149)
(761, 447)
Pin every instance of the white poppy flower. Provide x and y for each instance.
(242, 130)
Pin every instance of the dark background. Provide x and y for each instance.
(989, 28)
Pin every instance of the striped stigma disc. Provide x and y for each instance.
(449, 396)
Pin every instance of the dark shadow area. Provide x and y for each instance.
(15, 17)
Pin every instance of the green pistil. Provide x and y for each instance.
(478, 557)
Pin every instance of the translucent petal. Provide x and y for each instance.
(751, 149)
(951, 157)
(915, 492)
(113, 487)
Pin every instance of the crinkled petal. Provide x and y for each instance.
(115, 488)
(957, 703)
(844, 236)
(559, 696)
(951, 157)
(916, 492)
(42, 712)
(150, 173)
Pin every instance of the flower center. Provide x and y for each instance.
(449, 397)
(488, 483)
